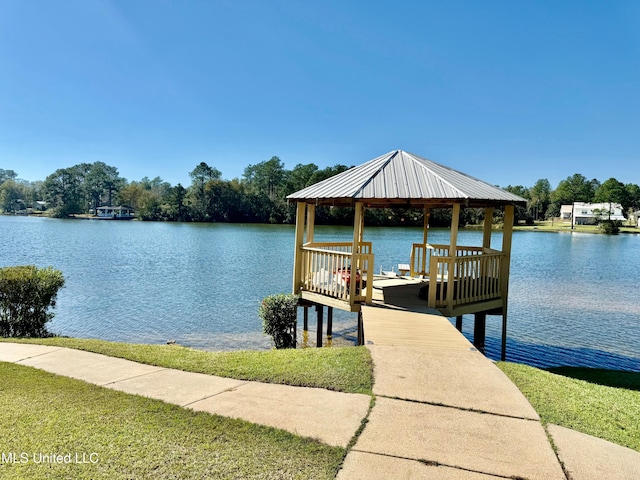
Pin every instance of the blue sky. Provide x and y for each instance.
(507, 91)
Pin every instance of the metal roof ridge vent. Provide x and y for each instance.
(377, 172)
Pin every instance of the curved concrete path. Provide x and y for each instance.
(439, 413)
(331, 417)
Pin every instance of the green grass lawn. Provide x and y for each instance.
(556, 226)
(345, 369)
(120, 436)
(602, 403)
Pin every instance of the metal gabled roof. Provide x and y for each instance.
(399, 177)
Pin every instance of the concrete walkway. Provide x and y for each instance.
(443, 410)
(331, 417)
(440, 412)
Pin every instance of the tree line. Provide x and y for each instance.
(544, 203)
(260, 196)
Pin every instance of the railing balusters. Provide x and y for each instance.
(474, 276)
(326, 267)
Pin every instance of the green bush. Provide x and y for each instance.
(279, 315)
(26, 294)
(610, 227)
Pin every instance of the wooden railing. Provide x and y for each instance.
(465, 279)
(419, 263)
(421, 255)
(331, 269)
(478, 278)
(472, 276)
(364, 247)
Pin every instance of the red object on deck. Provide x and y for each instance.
(345, 274)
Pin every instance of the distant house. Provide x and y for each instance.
(591, 213)
(635, 218)
(115, 213)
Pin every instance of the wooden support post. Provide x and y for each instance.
(425, 227)
(299, 240)
(360, 339)
(311, 222)
(305, 319)
(507, 234)
(329, 321)
(459, 323)
(425, 238)
(479, 330)
(295, 331)
(320, 310)
(455, 222)
(453, 252)
(503, 354)
(355, 247)
(488, 223)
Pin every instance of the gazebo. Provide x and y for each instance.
(459, 279)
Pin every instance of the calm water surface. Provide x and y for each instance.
(573, 297)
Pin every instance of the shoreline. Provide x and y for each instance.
(559, 228)
(544, 227)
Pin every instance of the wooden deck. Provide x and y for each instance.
(398, 317)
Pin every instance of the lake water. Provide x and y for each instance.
(573, 297)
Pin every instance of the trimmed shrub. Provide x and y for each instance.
(279, 315)
(26, 295)
(610, 227)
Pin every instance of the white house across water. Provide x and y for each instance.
(114, 213)
(591, 213)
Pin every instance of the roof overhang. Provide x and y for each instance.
(405, 203)
(402, 180)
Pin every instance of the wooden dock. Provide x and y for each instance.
(398, 317)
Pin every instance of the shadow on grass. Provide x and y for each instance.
(609, 378)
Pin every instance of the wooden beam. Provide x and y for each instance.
(295, 331)
(360, 329)
(488, 221)
(433, 283)
(402, 203)
(507, 235)
(425, 239)
(479, 330)
(425, 227)
(361, 231)
(311, 222)
(305, 319)
(320, 310)
(453, 244)
(503, 354)
(470, 308)
(357, 239)
(329, 301)
(329, 321)
(455, 222)
(297, 253)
